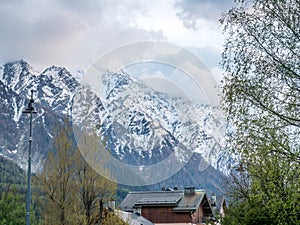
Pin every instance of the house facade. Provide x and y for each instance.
(170, 206)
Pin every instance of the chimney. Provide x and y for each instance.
(112, 205)
(189, 191)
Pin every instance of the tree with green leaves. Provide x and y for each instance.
(12, 207)
(261, 95)
(70, 188)
(91, 187)
(112, 218)
(56, 180)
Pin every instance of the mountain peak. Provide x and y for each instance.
(16, 75)
(115, 82)
(56, 72)
(58, 76)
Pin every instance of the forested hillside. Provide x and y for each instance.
(11, 173)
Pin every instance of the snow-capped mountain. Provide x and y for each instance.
(142, 126)
(53, 91)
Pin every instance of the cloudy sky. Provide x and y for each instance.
(74, 33)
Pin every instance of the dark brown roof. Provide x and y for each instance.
(176, 199)
(190, 202)
(135, 199)
(159, 200)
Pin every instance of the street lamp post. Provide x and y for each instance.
(29, 110)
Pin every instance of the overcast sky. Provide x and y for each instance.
(74, 33)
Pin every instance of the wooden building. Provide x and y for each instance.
(170, 206)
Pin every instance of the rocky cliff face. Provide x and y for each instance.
(142, 126)
(54, 88)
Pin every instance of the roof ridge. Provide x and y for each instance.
(173, 191)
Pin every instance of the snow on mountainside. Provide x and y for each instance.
(53, 88)
(143, 126)
(16, 76)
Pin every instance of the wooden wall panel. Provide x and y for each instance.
(165, 215)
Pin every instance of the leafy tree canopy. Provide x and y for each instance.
(261, 95)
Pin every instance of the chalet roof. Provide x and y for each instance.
(133, 219)
(135, 199)
(190, 202)
(177, 199)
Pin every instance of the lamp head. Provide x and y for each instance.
(30, 108)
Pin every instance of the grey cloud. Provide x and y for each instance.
(57, 26)
(191, 11)
(67, 33)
